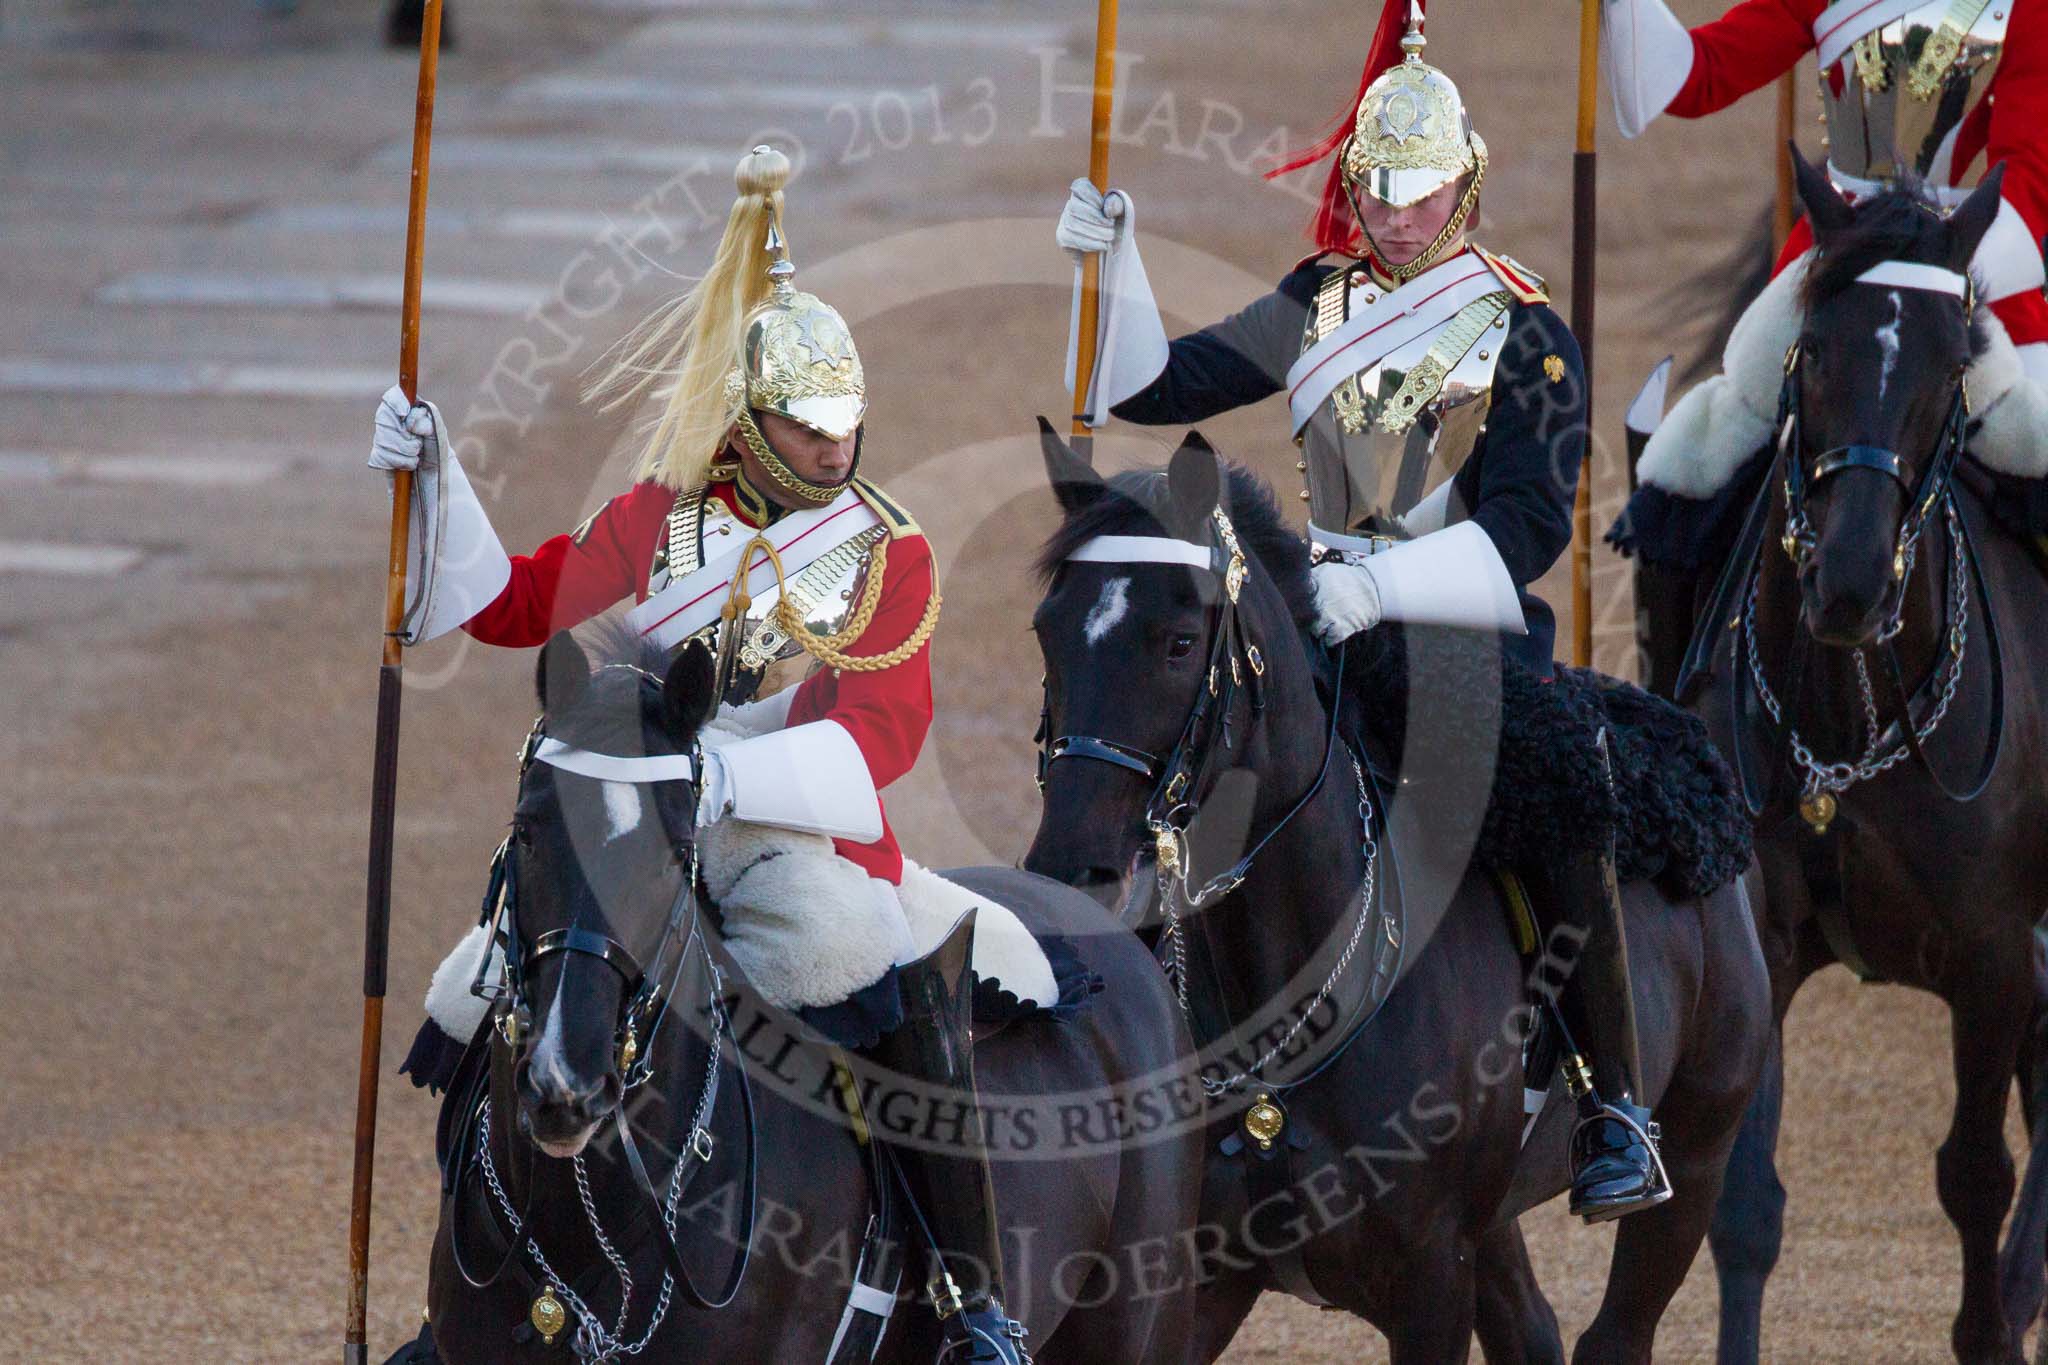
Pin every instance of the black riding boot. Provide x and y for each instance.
(1615, 1166)
(1665, 612)
(933, 1054)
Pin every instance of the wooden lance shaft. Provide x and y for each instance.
(384, 768)
(1785, 212)
(1585, 232)
(1091, 261)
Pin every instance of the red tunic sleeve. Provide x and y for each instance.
(1745, 49)
(573, 577)
(888, 712)
(2013, 118)
(2014, 121)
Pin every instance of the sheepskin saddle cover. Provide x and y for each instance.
(809, 928)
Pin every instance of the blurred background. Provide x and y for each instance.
(202, 219)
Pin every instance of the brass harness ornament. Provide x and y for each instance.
(548, 1316)
(1264, 1121)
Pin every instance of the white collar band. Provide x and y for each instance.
(613, 768)
(1914, 275)
(1144, 550)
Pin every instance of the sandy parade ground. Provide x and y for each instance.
(201, 223)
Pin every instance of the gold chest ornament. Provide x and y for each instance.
(829, 599)
(1391, 433)
(1893, 101)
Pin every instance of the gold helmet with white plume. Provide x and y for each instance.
(743, 340)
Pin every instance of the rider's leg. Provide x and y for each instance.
(1615, 1166)
(1665, 609)
(932, 1056)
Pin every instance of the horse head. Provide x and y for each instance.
(1874, 390)
(599, 874)
(1174, 605)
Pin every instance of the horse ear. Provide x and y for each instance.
(1195, 482)
(689, 692)
(1074, 481)
(1968, 224)
(1825, 208)
(562, 673)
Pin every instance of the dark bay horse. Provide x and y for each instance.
(672, 1165)
(1876, 649)
(1368, 1148)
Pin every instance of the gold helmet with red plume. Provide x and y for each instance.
(1406, 137)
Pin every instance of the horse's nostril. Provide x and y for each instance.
(595, 1103)
(584, 1101)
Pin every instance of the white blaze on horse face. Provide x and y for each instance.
(623, 809)
(1109, 609)
(550, 1065)
(1888, 343)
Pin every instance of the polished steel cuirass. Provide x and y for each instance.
(1895, 99)
(1391, 433)
(702, 529)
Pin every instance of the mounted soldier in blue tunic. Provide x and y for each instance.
(1439, 404)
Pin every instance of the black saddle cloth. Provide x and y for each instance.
(1673, 811)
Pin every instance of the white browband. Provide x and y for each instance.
(1144, 550)
(613, 768)
(1913, 275)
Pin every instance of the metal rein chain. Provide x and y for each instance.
(1176, 934)
(1836, 778)
(592, 1342)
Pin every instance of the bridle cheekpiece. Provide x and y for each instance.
(1235, 663)
(648, 988)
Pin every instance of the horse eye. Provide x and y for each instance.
(1182, 646)
(522, 834)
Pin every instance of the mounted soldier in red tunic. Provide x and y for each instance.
(1922, 93)
(752, 530)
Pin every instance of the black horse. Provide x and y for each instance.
(714, 1191)
(1872, 659)
(1369, 1136)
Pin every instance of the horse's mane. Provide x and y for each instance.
(1131, 503)
(610, 715)
(1892, 226)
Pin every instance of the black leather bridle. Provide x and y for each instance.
(1934, 488)
(649, 991)
(1182, 776)
(1922, 495)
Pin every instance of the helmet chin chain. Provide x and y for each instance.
(801, 490)
(1401, 274)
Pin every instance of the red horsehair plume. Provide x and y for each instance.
(1334, 228)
